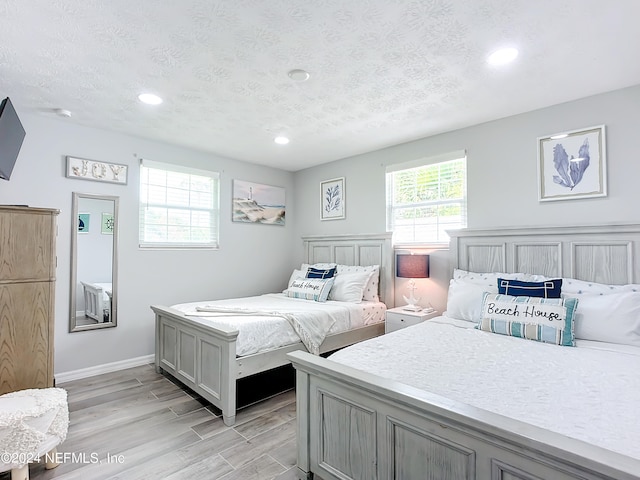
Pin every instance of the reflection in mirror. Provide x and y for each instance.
(94, 261)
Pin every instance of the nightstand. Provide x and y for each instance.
(397, 318)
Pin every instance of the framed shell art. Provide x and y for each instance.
(332, 199)
(85, 169)
(572, 165)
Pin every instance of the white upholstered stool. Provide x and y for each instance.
(32, 423)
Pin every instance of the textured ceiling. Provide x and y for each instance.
(383, 72)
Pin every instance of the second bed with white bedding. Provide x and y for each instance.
(568, 390)
(260, 333)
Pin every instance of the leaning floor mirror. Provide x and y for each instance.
(94, 262)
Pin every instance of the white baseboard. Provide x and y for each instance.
(100, 369)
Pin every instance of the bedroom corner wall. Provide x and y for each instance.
(501, 173)
(145, 277)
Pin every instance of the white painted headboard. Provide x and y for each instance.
(357, 249)
(606, 254)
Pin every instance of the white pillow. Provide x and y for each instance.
(579, 287)
(294, 276)
(349, 287)
(466, 289)
(370, 292)
(464, 300)
(613, 318)
(489, 279)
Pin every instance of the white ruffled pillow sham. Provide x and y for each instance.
(605, 313)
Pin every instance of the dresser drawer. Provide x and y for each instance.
(397, 318)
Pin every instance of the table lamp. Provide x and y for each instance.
(412, 266)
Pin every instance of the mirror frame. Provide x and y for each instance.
(73, 327)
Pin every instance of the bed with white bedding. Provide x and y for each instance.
(571, 391)
(445, 400)
(259, 333)
(209, 345)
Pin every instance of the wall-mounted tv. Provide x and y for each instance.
(11, 137)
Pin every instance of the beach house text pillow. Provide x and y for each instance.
(549, 320)
(316, 289)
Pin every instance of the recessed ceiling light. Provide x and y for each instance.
(61, 112)
(299, 75)
(503, 56)
(150, 99)
(281, 140)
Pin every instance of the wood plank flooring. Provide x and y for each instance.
(136, 424)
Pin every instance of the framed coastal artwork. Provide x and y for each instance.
(83, 222)
(258, 203)
(332, 199)
(107, 224)
(572, 165)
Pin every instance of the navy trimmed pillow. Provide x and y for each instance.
(517, 288)
(320, 272)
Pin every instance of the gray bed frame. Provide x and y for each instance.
(204, 358)
(354, 425)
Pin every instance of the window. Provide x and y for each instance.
(179, 206)
(427, 197)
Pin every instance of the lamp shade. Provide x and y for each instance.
(412, 266)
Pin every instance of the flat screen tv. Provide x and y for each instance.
(11, 137)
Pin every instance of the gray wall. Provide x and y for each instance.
(502, 175)
(145, 277)
(502, 191)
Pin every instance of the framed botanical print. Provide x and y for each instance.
(332, 199)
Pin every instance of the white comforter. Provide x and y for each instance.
(590, 392)
(261, 329)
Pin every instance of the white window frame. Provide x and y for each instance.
(214, 209)
(419, 163)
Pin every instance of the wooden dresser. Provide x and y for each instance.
(27, 294)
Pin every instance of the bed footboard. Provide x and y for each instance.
(201, 357)
(354, 425)
(95, 306)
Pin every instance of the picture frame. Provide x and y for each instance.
(572, 165)
(107, 223)
(84, 222)
(258, 203)
(85, 169)
(332, 199)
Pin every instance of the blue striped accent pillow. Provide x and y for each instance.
(549, 320)
(316, 289)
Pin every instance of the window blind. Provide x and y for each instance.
(179, 206)
(426, 197)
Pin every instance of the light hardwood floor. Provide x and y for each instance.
(138, 424)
